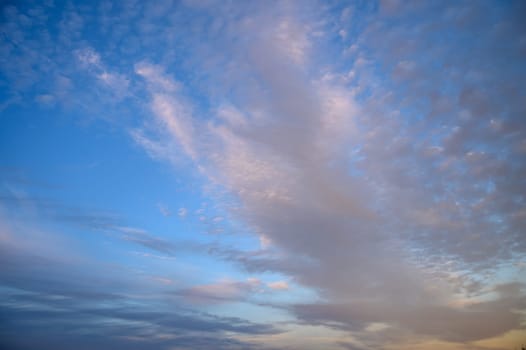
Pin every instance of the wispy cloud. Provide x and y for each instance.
(143, 238)
(164, 210)
(108, 223)
(221, 291)
(173, 114)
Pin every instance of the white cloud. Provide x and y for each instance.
(172, 113)
(156, 78)
(291, 37)
(117, 83)
(182, 212)
(88, 57)
(160, 150)
(164, 210)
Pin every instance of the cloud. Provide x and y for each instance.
(95, 221)
(264, 242)
(139, 328)
(89, 57)
(182, 212)
(143, 238)
(377, 152)
(45, 99)
(117, 84)
(172, 113)
(164, 210)
(278, 285)
(327, 167)
(293, 40)
(156, 149)
(450, 324)
(221, 291)
(109, 306)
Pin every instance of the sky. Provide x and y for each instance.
(262, 175)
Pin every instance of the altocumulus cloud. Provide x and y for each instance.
(370, 154)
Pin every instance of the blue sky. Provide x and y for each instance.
(262, 175)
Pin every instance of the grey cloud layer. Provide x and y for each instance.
(42, 295)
